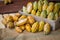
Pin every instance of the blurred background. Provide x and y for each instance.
(16, 5)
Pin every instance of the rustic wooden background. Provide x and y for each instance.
(17, 5)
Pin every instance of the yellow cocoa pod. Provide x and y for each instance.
(18, 29)
(9, 18)
(15, 18)
(47, 28)
(56, 16)
(33, 12)
(29, 7)
(21, 22)
(5, 1)
(28, 27)
(31, 19)
(41, 25)
(50, 7)
(35, 27)
(10, 25)
(22, 27)
(10, 1)
(22, 17)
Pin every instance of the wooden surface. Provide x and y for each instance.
(17, 5)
